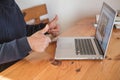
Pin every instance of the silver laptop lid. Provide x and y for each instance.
(105, 26)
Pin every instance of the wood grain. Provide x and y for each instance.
(33, 67)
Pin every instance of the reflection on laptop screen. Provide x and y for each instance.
(105, 26)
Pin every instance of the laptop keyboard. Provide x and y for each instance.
(84, 47)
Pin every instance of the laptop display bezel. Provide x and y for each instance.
(111, 14)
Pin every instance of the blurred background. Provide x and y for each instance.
(70, 11)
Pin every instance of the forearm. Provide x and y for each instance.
(34, 28)
(14, 50)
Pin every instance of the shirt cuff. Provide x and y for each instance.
(23, 45)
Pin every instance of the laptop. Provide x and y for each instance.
(70, 48)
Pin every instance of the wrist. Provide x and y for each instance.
(29, 39)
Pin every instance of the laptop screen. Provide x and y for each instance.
(105, 26)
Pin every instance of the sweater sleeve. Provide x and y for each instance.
(14, 50)
(33, 28)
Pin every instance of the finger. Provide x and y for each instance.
(46, 43)
(56, 28)
(55, 33)
(48, 39)
(44, 30)
(55, 18)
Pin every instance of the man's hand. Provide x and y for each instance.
(53, 27)
(38, 41)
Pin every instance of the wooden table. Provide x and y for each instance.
(40, 66)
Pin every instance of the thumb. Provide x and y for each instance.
(45, 29)
(55, 19)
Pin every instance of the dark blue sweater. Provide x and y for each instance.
(13, 32)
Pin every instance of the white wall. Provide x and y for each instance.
(69, 11)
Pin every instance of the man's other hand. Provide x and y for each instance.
(38, 41)
(53, 26)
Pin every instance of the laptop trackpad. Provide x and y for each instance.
(65, 48)
(66, 43)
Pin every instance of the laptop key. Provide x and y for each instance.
(84, 47)
(76, 47)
